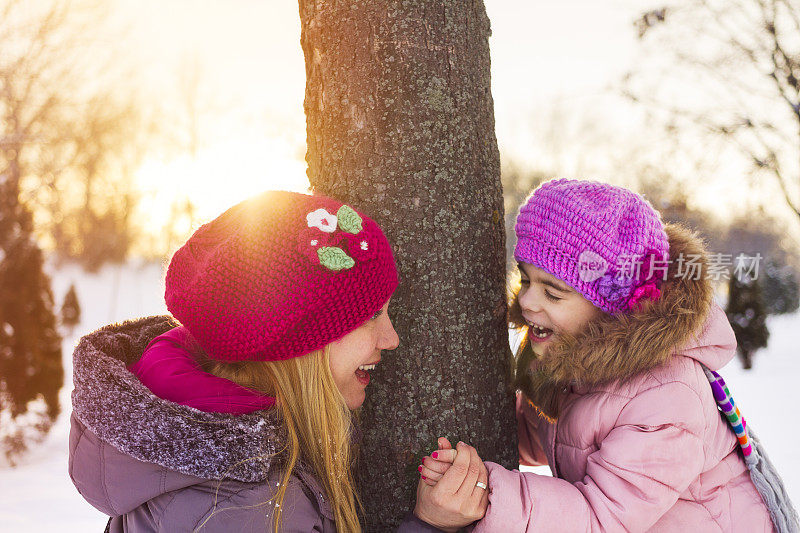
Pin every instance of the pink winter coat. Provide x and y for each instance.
(648, 451)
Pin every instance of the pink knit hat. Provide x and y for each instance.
(606, 242)
(278, 276)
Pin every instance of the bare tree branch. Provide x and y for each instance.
(755, 71)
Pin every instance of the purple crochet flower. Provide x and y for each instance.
(614, 288)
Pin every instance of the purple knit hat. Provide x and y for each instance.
(606, 242)
(278, 276)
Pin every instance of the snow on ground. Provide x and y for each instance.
(38, 495)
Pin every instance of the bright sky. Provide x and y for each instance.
(546, 56)
(250, 53)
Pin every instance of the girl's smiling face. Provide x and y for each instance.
(550, 306)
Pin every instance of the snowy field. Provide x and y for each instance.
(38, 496)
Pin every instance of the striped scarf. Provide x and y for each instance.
(762, 472)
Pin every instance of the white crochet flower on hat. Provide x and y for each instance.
(322, 219)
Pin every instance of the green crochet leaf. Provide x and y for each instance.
(349, 220)
(334, 258)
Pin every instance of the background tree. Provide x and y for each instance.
(781, 288)
(99, 155)
(400, 124)
(31, 371)
(771, 289)
(30, 347)
(74, 132)
(730, 68)
(760, 232)
(747, 315)
(69, 143)
(195, 105)
(517, 186)
(70, 309)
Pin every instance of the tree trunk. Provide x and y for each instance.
(747, 359)
(400, 124)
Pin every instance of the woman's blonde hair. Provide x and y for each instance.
(318, 424)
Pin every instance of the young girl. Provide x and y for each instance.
(616, 373)
(235, 415)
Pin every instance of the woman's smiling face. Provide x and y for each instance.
(352, 356)
(550, 306)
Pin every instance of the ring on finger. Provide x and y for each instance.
(481, 485)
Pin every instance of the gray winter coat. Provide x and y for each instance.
(153, 465)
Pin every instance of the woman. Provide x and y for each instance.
(237, 412)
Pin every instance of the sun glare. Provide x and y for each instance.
(219, 176)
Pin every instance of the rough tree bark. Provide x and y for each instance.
(400, 123)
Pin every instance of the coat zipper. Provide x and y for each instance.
(553, 449)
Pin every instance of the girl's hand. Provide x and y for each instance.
(455, 500)
(433, 468)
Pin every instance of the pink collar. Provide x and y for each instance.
(168, 369)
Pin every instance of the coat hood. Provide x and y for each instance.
(122, 431)
(616, 347)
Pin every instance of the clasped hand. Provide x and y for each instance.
(448, 495)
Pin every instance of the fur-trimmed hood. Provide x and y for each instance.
(614, 348)
(114, 405)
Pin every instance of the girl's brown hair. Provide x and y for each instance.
(534, 385)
